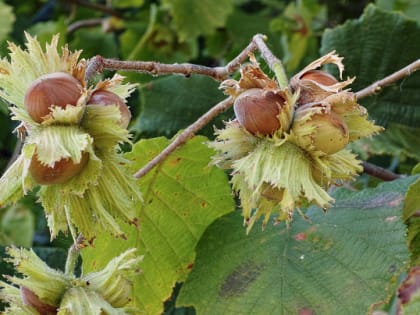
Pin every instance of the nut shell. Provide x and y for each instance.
(313, 86)
(257, 111)
(59, 89)
(61, 172)
(103, 97)
(31, 299)
(331, 134)
(320, 77)
(271, 193)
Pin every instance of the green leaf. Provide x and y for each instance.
(374, 46)
(53, 256)
(17, 226)
(408, 293)
(182, 197)
(195, 18)
(123, 4)
(241, 32)
(409, 7)
(45, 30)
(413, 239)
(298, 27)
(397, 140)
(172, 103)
(341, 262)
(412, 200)
(94, 41)
(161, 45)
(410, 213)
(7, 18)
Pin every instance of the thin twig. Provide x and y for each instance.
(98, 64)
(156, 68)
(398, 75)
(379, 172)
(84, 23)
(187, 134)
(97, 7)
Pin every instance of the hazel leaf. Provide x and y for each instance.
(371, 47)
(7, 18)
(182, 197)
(174, 96)
(195, 18)
(339, 263)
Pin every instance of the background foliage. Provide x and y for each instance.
(348, 261)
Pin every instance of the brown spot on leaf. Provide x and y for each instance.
(190, 266)
(306, 311)
(174, 162)
(90, 241)
(411, 286)
(300, 236)
(4, 71)
(238, 281)
(384, 200)
(396, 202)
(391, 219)
(203, 204)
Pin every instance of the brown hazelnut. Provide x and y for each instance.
(320, 77)
(62, 171)
(103, 97)
(31, 299)
(257, 110)
(59, 89)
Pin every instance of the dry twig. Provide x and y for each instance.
(376, 87)
(379, 172)
(186, 135)
(98, 64)
(84, 23)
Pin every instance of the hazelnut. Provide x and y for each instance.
(103, 97)
(272, 193)
(330, 134)
(313, 86)
(257, 111)
(31, 299)
(59, 89)
(320, 77)
(62, 171)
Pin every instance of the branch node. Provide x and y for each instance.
(95, 65)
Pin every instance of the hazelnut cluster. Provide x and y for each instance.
(71, 132)
(47, 291)
(287, 146)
